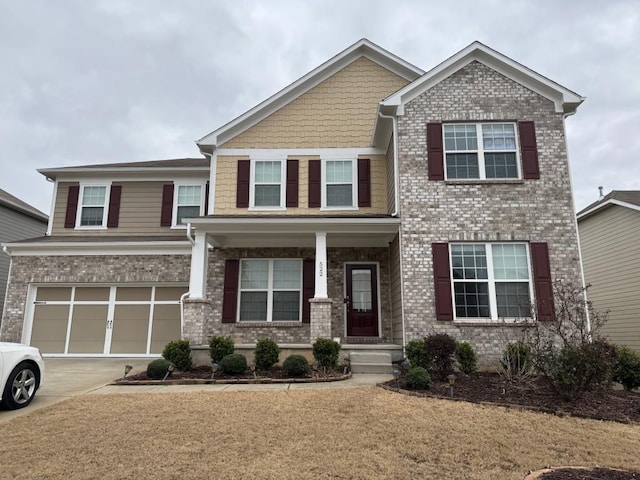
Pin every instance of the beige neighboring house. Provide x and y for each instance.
(18, 221)
(369, 201)
(610, 241)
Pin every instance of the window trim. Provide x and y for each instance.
(354, 184)
(491, 281)
(176, 190)
(270, 291)
(482, 170)
(105, 207)
(283, 184)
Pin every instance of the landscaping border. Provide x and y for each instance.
(223, 381)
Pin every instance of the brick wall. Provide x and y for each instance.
(436, 211)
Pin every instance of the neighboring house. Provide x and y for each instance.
(610, 242)
(368, 201)
(18, 221)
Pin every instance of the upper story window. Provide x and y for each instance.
(481, 151)
(491, 281)
(339, 189)
(267, 191)
(92, 207)
(188, 202)
(270, 290)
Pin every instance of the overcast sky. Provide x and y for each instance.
(91, 81)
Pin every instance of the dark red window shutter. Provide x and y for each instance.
(529, 150)
(292, 183)
(167, 205)
(315, 184)
(364, 182)
(242, 191)
(72, 206)
(542, 281)
(230, 296)
(113, 216)
(435, 152)
(442, 281)
(206, 199)
(308, 288)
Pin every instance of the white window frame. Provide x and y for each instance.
(354, 184)
(283, 184)
(482, 171)
(105, 207)
(491, 280)
(269, 292)
(176, 187)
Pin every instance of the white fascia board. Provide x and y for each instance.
(292, 152)
(98, 248)
(362, 48)
(605, 204)
(56, 173)
(565, 100)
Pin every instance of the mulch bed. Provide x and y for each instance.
(584, 474)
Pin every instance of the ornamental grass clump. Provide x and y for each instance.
(266, 354)
(219, 347)
(179, 353)
(517, 362)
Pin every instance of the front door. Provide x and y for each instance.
(362, 300)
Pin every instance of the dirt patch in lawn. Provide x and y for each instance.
(577, 473)
(359, 433)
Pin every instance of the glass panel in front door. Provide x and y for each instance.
(361, 290)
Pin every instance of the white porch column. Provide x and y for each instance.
(199, 261)
(321, 265)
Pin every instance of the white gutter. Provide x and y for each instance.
(396, 168)
(53, 205)
(5, 249)
(188, 232)
(182, 297)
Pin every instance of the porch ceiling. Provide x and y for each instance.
(247, 232)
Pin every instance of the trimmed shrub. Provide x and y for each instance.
(219, 347)
(417, 354)
(179, 353)
(295, 366)
(627, 368)
(418, 378)
(157, 369)
(266, 354)
(234, 364)
(574, 369)
(467, 358)
(326, 353)
(517, 361)
(440, 349)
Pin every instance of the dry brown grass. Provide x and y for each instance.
(361, 433)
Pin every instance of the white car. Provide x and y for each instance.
(21, 374)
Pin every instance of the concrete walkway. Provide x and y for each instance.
(70, 377)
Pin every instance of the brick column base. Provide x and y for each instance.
(320, 318)
(195, 314)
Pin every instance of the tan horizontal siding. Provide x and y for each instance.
(610, 243)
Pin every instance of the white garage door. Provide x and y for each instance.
(106, 320)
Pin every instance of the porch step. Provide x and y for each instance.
(370, 362)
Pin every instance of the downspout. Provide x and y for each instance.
(185, 294)
(396, 212)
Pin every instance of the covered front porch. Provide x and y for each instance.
(243, 280)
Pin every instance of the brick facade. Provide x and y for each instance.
(438, 211)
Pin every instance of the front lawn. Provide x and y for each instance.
(359, 433)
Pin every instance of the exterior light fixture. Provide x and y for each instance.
(170, 369)
(214, 369)
(127, 369)
(452, 381)
(396, 374)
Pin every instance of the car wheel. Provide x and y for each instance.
(21, 386)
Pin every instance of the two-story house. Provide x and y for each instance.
(368, 201)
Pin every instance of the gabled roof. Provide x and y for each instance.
(14, 203)
(564, 99)
(173, 165)
(622, 198)
(362, 48)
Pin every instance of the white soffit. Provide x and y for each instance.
(565, 100)
(362, 48)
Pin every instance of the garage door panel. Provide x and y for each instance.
(92, 294)
(49, 330)
(130, 329)
(133, 294)
(170, 293)
(88, 327)
(53, 294)
(166, 326)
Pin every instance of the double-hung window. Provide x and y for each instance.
(267, 189)
(481, 151)
(93, 206)
(189, 202)
(339, 187)
(491, 281)
(270, 290)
